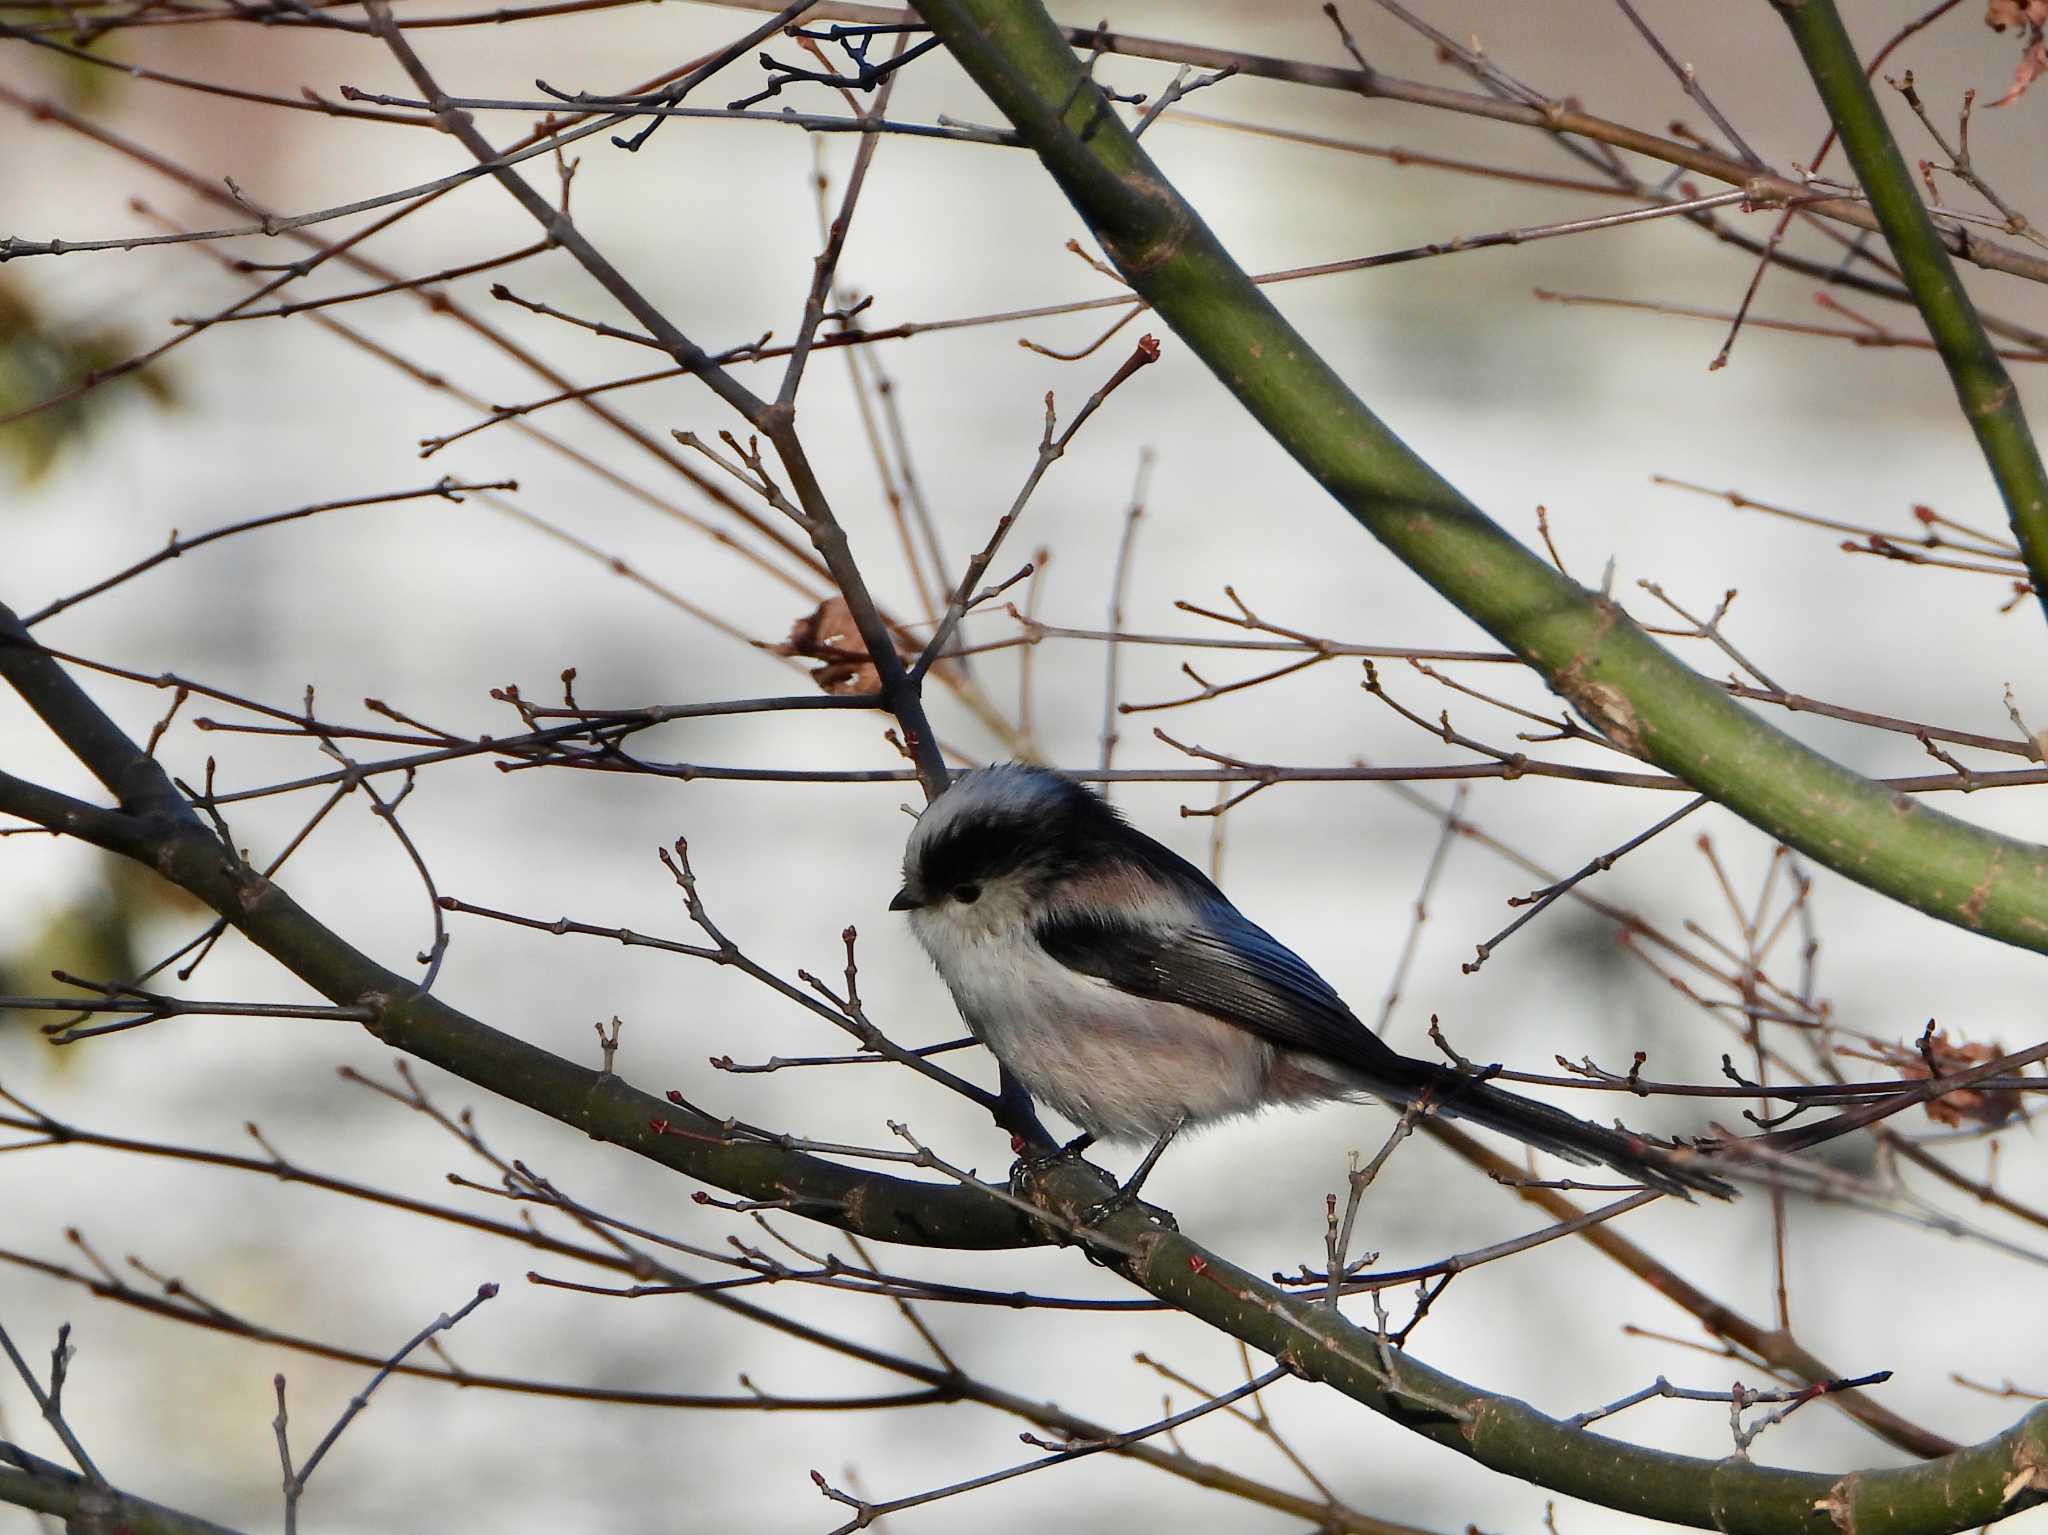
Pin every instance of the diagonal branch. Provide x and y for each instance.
(1560, 118)
(1963, 1489)
(135, 779)
(1986, 1482)
(826, 267)
(182, 850)
(29, 1481)
(1990, 402)
(777, 422)
(1638, 694)
(561, 227)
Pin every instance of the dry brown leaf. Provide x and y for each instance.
(2029, 69)
(2030, 17)
(1990, 1107)
(2000, 14)
(828, 634)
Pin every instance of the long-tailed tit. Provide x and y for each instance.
(1124, 990)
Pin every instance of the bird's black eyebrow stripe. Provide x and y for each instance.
(1053, 833)
(980, 848)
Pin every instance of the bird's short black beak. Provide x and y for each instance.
(904, 900)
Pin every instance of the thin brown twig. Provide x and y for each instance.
(1120, 573)
(1050, 449)
(1438, 857)
(867, 1513)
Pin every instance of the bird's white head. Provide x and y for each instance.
(981, 859)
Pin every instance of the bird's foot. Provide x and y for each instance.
(1034, 1161)
(1127, 1196)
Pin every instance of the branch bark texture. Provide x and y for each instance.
(1956, 1492)
(1634, 690)
(1983, 387)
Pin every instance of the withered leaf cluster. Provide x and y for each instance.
(829, 635)
(2029, 18)
(1993, 1106)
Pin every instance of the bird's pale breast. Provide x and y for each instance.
(1123, 1067)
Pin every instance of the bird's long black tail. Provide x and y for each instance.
(1466, 1095)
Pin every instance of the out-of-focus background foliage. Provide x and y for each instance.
(428, 605)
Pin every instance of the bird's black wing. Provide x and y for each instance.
(1221, 963)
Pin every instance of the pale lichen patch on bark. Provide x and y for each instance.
(1162, 243)
(1839, 1504)
(2030, 1472)
(1973, 908)
(1478, 1409)
(1611, 713)
(1995, 402)
(378, 1003)
(854, 1202)
(1145, 1249)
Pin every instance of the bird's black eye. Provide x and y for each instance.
(967, 895)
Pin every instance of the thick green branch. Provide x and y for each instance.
(1591, 653)
(1775, 1347)
(603, 1106)
(174, 844)
(1956, 1492)
(1558, 117)
(1990, 402)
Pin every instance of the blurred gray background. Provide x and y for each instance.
(428, 605)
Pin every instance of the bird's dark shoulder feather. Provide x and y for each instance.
(1220, 963)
